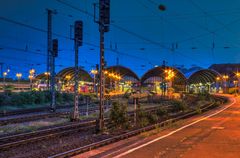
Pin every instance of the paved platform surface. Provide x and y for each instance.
(214, 134)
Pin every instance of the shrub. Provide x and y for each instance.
(47, 96)
(142, 119)
(2, 98)
(178, 106)
(152, 118)
(204, 96)
(143, 122)
(59, 98)
(17, 99)
(7, 100)
(8, 88)
(67, 97)
(28, 97)
(40, 97)
(161, 112)
(118, 115)
(198, 110)
(34, 97)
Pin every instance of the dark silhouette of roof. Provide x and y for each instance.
(226, 69)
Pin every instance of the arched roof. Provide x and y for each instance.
(83, 75)
(42, 76)
(160, 71)
(203, 76)
(123, 71)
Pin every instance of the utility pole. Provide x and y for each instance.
(103, 21)
(96, 80)
(78, 30)
(49, 43)
(54, 53)
(50, 59)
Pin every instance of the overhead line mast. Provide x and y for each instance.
(104, 22)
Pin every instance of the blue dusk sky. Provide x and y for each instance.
(188, 32)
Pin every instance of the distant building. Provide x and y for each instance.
(226, 69)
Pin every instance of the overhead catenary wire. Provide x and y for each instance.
(170, 48)
(65, 37)
(85, 12)
(129, 55)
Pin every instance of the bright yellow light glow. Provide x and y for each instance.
(169, 74)
(225, 76)
(94, 72)
(47, 73)
(19, 75)
(238, 74)
(32, 71)
(68, 77)
(30, 77)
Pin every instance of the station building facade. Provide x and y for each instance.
(218, 78)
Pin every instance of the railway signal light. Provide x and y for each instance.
(104, 14)
(78, 32)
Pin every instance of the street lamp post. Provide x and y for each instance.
(217, 84)
(169, 76)
(31, 76)
(4, 77)
(47, 74)
(19, 75)
(238, 81)
(235, 86)
(225, 78)
(94, 72)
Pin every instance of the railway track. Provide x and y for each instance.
(28, 111)
(24, 138)
(33, 117)
(113, 139)
(5, 113)
(30, 137)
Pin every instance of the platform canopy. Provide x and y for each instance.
(204, 76)
(124, 72)
(160, 72)
(42, 76)
(68, 74)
